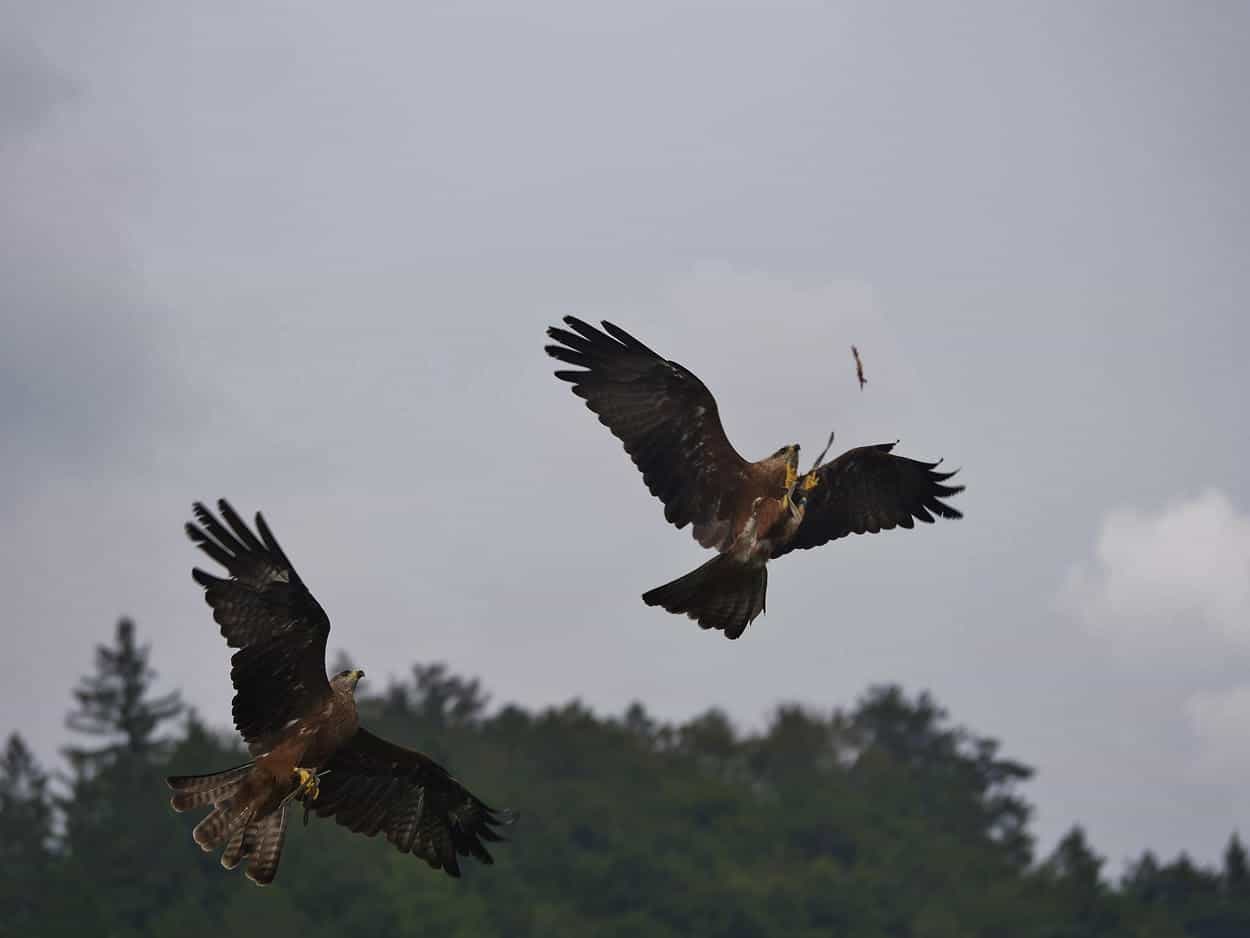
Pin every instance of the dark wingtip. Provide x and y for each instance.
(580, 325)
(266, 536)
(626, 339)
(566, 354)
(617, 332)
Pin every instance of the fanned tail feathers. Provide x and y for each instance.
(194, 791)
(722, 594)
(263, 843)
(244, 836)
(221, 825)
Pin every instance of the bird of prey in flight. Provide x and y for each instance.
(749, 512)
(302, 731)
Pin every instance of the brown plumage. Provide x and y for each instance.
(749, 512)
(302, 730)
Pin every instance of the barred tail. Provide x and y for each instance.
(219, 790)
(261, 843)
(222, 824)
(271, 832)
(722, 594)
(194, 791)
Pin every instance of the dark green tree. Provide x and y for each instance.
(1075, 864)
(884, 820)
(116, 706)
(1236, 869)
(117, 828)
(1141, 880)
(1195, 898)
(25, 838)
(446, 700)
(1082, 904)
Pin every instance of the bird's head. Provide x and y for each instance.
(790, 454)
(347, 680)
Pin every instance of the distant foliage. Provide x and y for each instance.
(115, 706)
(884, 819)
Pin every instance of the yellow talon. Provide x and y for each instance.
(307, 788)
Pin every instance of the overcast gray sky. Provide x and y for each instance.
(304, 257)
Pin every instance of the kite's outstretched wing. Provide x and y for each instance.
(866, 490)
(665, 416)
(372, 786)
(266, 612)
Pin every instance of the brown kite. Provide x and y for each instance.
(750, 512)
(301, 729)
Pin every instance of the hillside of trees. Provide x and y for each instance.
(882, 820)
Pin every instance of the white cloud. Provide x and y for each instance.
(1221, 722)
(1159, 580)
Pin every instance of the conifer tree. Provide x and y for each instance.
(118, 829)
(114, 705)
(1236, 869)
(25, 834)
(1075, 863)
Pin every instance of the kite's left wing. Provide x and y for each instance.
(264, 610)
(372, 786)
(667, 419)
(866, 490)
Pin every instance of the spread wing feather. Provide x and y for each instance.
(866, 490)
(665, 416)
(372, 786)
(264, 610)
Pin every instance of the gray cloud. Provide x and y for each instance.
(1187, 563)
(78, 364)
(305, 260)
(30, 90)
(1164, 597)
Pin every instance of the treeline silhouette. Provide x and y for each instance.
(881, 820)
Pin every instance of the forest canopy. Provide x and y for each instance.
(881, 819)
